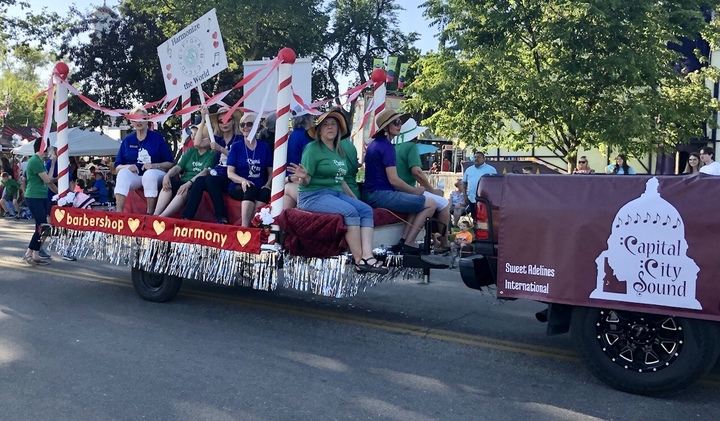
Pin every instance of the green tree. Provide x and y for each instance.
(565, 74)
(20, 83)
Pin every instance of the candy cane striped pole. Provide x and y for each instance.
(61, 118)
(185, 120)
(287, 58)
(378, 76)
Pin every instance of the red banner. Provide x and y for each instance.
(226, 237)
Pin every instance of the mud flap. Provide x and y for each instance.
(478, 271)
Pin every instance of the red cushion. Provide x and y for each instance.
(136, 203)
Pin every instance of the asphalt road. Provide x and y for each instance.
(77, 343)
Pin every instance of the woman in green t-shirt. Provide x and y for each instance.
(195, 162)
(322, 188)
(36, 198)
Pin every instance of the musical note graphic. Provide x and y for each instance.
(209, 23)
(647, 218)
(637, 218)
(216, 59)
(678, 222)
(657, 218)
(667, 221)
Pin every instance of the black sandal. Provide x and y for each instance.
(366, 266)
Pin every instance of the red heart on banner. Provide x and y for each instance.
(168, 66)
(214, 35)
(215, 44)
(169, 75)
(175, 81)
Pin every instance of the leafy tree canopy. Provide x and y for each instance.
(565, 74)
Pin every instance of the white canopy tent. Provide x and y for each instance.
(80, 143)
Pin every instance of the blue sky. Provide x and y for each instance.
(410, 20)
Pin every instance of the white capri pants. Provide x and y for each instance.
(150, 181)
(440, 202)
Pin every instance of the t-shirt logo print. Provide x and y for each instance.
(144, 157)
(646, 261)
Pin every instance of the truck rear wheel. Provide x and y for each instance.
(155, 287)
(645, 354)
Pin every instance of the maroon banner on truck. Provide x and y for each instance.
(638, 243)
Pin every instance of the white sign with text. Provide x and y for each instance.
(192, 56)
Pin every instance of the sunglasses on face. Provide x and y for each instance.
(397, 122)
(582, 162)
(248, 124)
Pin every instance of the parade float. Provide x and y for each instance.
(286, 249)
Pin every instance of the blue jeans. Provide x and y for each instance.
(353, 211)
(40, 209)
(395, 200)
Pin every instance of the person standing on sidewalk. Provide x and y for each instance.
(36, 198)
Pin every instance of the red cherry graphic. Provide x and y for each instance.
(175, 81)
(215, 44)
(214, 35)
(168, 66)
(169, 75)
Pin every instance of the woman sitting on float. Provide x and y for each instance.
(322, 188)
(384, 189)
(249, 170)
(194, 163)
(141, 161)
(216, 183)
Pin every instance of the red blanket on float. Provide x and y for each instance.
(307, 234)
(311, 234)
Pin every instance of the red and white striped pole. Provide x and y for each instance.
(61, 118)
(287, 58)
(378, 76)
(185, 119)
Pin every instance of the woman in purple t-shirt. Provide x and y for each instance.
(384, 189)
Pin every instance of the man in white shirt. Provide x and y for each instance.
(471, 178)
(707, 156)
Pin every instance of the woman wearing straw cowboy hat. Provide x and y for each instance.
(321, 176)
(217, 182)
(384, 189)
(409, 169)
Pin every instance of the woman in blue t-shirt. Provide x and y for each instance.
(620, 167)
(383, 188)
(142, 161)
(249, 170)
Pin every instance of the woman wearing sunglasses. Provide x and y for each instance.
(217, 182)
(384, 189)
(583, 167)
(250, 170)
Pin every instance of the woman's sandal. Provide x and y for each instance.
(365, 265)
(34, 262)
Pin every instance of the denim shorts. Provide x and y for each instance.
(353, 211)
(395, 200)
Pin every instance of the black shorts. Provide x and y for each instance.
(252, 194)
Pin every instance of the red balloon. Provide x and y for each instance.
(378, 75)
(287, 55)
(62, 69)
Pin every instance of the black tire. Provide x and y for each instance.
(645, 354)
(155, 287)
